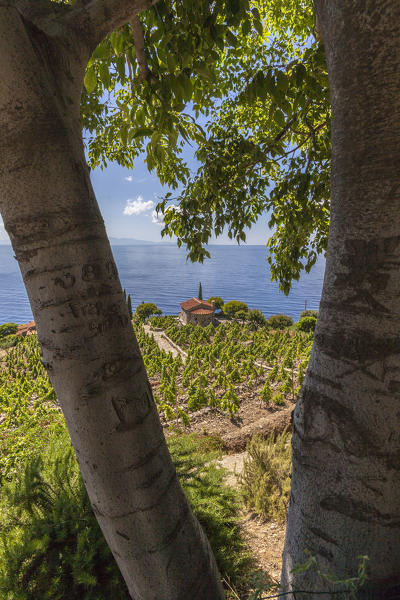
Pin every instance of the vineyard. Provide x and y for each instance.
(224, 373)
(224, 365)
(29, 411)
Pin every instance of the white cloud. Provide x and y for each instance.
(157, 217)
(129, 178)
(136, 207)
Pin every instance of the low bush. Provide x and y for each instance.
(219, 303)
(242, 315)
(8, 329)
(8, 341)
(309, 313)
(234, 306)
(266, 392)
(146, 310)
(51, 546)
(265, 479)
(50, 543)
(278, 398)
(256, 317)
(279, 321)
(306, 324)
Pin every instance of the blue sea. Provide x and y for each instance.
(160, 273)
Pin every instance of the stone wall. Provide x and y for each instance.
(196, 319)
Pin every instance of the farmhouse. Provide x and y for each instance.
(27, 329)
(197, 312)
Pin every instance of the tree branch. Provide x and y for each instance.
(138, 40)
(94, 19)
(130, 71)
(44, 14)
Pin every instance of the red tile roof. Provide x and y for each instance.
(195, 303)
(202, 311)
(26, 329)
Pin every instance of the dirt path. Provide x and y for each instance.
(163, 343)
(265, 539)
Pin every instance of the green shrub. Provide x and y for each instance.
(146, 310)
(279, 321)
(8, 329)
(306, 324)
(8, 341)
(241, 315)
(309, 313)
(215, 504)
(265, 393)
(51, 546)
(163, 322)
(257, 317)
(234, 306)
(278, 399)
(265, 479)
(219, 303)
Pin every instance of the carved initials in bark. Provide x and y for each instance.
(346, 444)
(369, 263)
(49, 209)
(132, 411)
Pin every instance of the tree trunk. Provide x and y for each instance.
(88, 344)
(345, 499)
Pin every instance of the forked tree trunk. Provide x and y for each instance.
(345, 499)
(88, 344)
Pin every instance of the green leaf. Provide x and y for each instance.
(123, 134)
(300, 73)
(101, 52)
(246, 27)
(282, 81)
(142, 132)
(117, 41)
(187, 86)
(105, 76)
(171, 62)
(231, 38)
(90, 80)
(259, 27)
(204, 71)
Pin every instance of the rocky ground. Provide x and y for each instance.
(264, 538)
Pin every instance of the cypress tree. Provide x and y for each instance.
(200, 294)
(130, 306)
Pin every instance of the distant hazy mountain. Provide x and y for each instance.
(113, 241)
(132, 242)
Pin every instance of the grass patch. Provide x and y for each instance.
(265, 479)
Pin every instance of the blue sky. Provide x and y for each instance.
(127, 200)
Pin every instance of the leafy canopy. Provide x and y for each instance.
(255, 71)
(146, 310)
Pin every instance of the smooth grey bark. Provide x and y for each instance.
(89, 348)
(345, 498)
